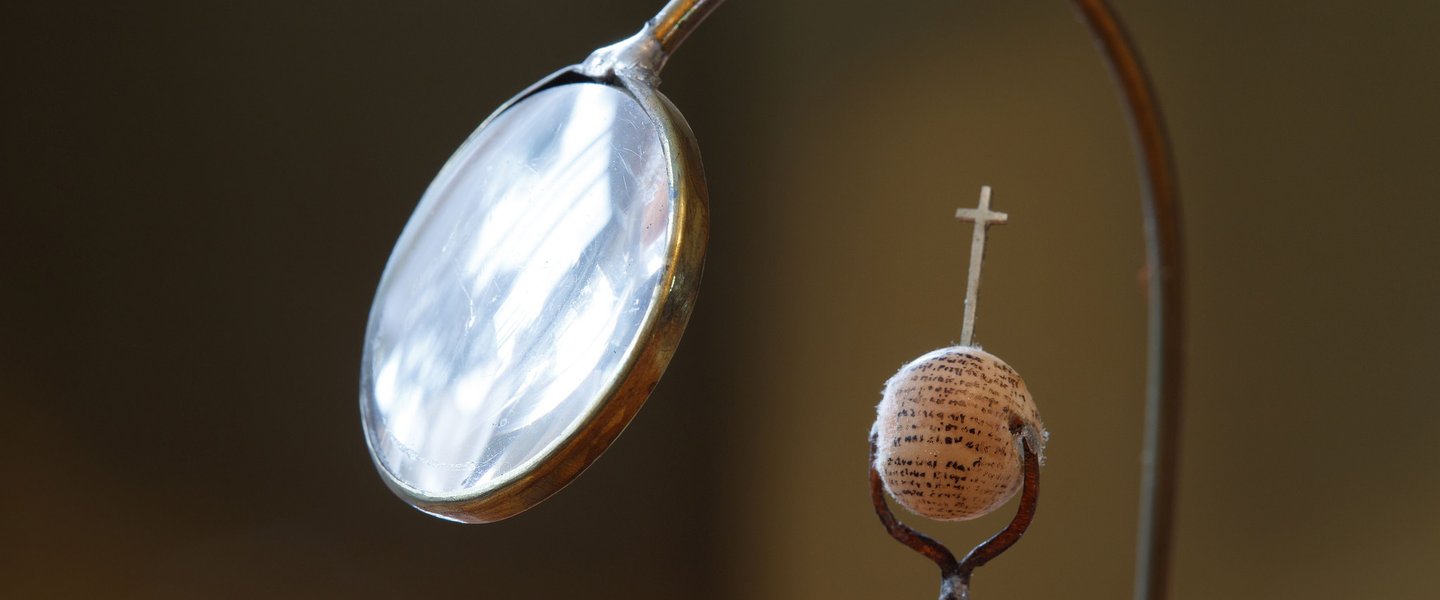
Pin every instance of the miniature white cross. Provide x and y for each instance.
(983, 218)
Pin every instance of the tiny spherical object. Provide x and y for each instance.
(944, 447)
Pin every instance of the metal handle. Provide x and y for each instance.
(680, 17)
(644, 54)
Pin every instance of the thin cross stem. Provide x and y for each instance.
(983, 218)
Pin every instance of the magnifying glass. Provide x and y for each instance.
(541, 286)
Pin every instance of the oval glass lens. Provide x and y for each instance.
(517, 291)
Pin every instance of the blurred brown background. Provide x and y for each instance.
(198, 199)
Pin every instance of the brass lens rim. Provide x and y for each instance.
(645, 361)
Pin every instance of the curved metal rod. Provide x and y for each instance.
(955, 575)
(1165, 288)
(902, 533)
(1029, 502)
